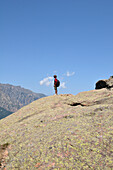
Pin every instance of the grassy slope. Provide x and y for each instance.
(51, 133)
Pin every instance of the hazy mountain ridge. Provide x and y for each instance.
(60, 132)
(13, 98)
(4, 113)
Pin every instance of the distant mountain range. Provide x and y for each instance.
(4, 113)
(12, 98)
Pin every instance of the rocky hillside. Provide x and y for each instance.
(60, 132)
(13, 98)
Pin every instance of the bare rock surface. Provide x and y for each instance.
(60, 132)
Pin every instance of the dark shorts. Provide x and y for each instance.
(55, 87)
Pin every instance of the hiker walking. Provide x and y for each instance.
(56, 83)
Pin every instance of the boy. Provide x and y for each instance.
(55, 82)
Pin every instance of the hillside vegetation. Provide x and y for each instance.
(60, 132)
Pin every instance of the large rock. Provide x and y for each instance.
(60, 132)
(107, 83)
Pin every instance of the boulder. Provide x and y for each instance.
(107, 83)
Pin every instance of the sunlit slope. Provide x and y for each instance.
(63, 131)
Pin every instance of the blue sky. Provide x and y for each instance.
(70, 38)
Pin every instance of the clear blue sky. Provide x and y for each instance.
(70, 38)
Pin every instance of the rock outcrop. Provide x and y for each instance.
(107, 83)
(60, 132)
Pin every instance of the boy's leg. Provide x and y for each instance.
(56, 91)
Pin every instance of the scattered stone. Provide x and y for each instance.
(3, 155)
(68, 116)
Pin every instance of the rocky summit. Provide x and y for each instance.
(60, 132)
